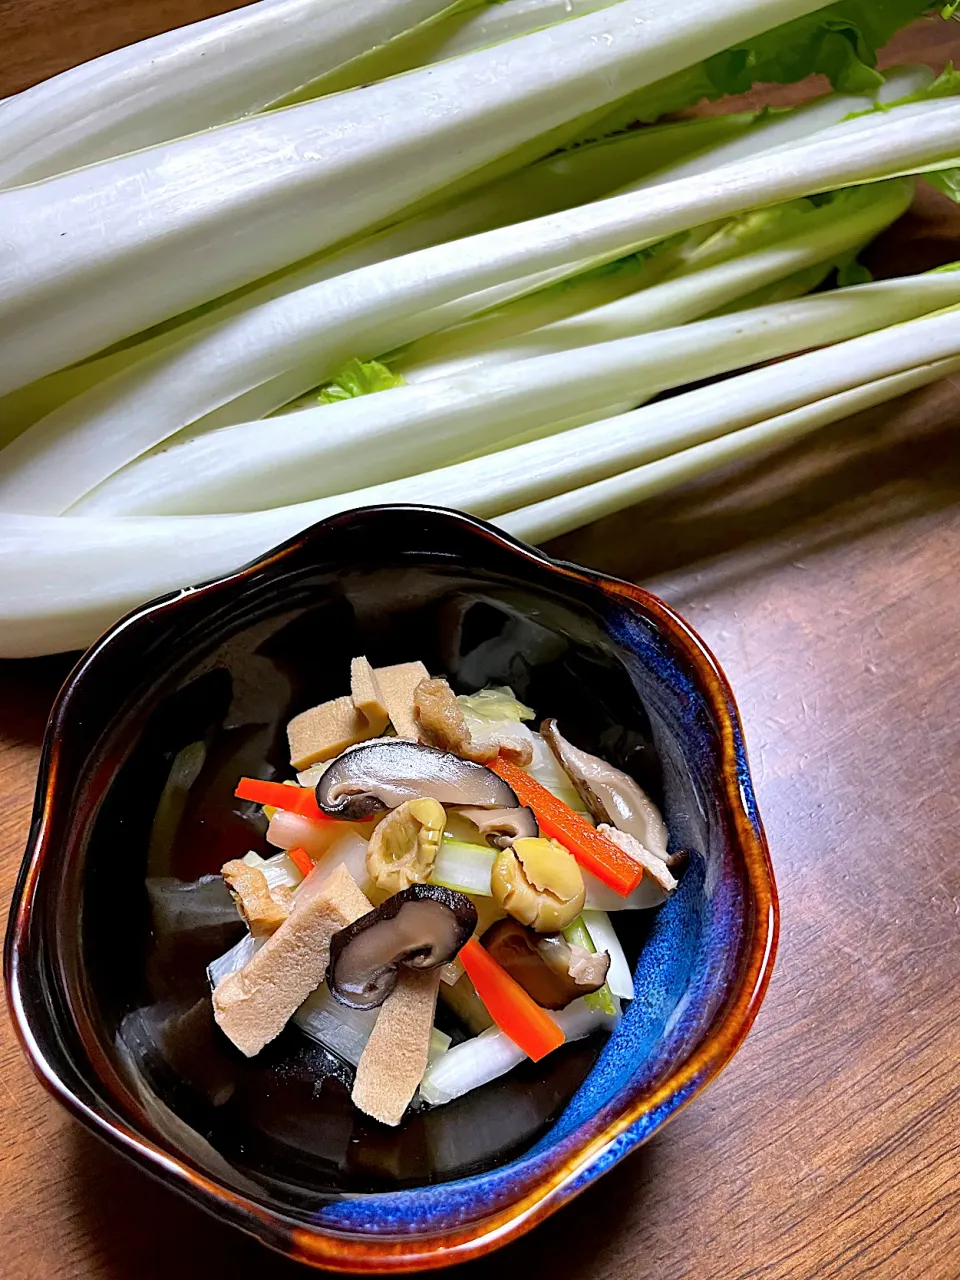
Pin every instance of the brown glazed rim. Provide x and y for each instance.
(331, 1249)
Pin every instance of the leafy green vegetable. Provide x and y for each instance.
(496, 704)
(359, 378)
(853, 272)
(839, 41)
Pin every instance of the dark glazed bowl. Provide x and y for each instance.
(271, 1146)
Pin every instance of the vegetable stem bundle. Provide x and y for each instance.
(289, 279)
(92, 256)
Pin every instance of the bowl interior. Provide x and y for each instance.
(132, 1006)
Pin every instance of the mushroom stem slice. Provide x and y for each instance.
(652, 865)
(369, 779)
(502, 826)
(421, 928)
(611, 795)
(549, 969)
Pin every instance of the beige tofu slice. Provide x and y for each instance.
(248, 885)
(395, 1057)
(252, 1006)
(367, 696)
(397, 686)
(323, 732)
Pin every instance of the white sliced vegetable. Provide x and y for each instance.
(184, 772)
(492, 1054)
(604, 937)
(95, 255)
(346, 1031)
(280, 872)
(189, 79)
(234, 959)
(465, 867)
(342, 1030)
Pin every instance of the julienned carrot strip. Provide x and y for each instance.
(296, 799)
(556, 819)
(301, 860)
(515, 1013)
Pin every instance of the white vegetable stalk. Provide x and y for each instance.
(95, 255)
(567, 511)
(365, 312)
(368, 311)
(559, 182)
(450, 36)
(189, 79)
(787, 127)
(62, 581)
(162, 396)
(708, 276)
(604, 938)
(492, 1054)
(321, 451)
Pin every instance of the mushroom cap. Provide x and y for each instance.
(421, 928)
(373, 777)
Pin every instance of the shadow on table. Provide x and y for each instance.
(139, 1229)
(27, 691)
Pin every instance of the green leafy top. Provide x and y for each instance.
(359, 378)
(839, 41)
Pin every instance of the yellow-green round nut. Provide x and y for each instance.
(538, 882)
(404, 846)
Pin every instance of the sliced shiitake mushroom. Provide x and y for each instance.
(550, 969)
(376, 776)
(421, 928)
(611, 795)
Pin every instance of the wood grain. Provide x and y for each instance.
(826, 580)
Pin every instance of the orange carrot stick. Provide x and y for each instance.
(301, 860)
(297, 799)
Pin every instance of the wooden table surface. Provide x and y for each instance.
(826, 580)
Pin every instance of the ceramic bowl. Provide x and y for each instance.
(112, 1017)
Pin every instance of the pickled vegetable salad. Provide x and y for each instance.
(433, 847)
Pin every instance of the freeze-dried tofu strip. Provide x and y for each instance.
(366, 695)
(397, 685)
(248, 885)
(325, 731)
(395, 1057)
(252, 1006)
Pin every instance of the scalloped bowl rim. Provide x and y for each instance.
(591, 1148)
